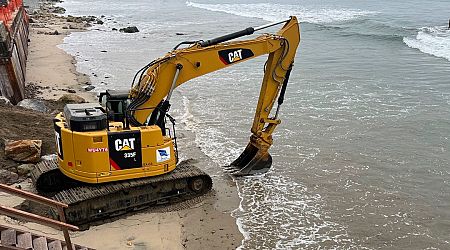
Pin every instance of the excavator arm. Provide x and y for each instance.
(150, 98)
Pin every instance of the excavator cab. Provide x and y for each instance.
(116, 103)
(117, 108)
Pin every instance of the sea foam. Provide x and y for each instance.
(431, 40)
(275, 12)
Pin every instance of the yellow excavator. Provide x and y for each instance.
(122, 156)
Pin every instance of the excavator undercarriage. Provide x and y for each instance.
(89, 203)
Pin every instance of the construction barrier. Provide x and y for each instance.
(13, 49)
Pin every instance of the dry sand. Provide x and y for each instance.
(49, 66)
(202, 224)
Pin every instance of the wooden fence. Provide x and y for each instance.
(36, 218)
(13, 55)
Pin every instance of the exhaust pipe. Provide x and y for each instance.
(253, 161)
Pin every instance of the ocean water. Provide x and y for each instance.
(361, 159)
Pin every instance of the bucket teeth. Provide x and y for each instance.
(253, 161)
(254, 167)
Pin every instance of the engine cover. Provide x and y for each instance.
(85, 117)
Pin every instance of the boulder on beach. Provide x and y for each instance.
(130, 29)
(23, 150)
(33, 104)
(5, 101)
(89, 88)
(25, 169)
(74, 19)
(57, 10)
(71, 98)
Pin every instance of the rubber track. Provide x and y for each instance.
(81, 196)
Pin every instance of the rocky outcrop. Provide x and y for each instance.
(81, 19)
(130, 29)
(28, 151)
(71, 98)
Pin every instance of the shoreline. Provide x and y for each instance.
(47, 31)
(202, 223)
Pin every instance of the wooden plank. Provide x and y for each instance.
(31, 196)
(21, 53)
(9, 247)
(55, 245)
(18, 74)
(13, 53)
(6, 89)
(8, 237)
(19, 231)
(25, 241)
(40, 243)
(5, 40)
(20, 39)
(17, 93)
(36, 218)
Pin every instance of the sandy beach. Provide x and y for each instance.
(202, 223)
(49, 67)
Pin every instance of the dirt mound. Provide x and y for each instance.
(17, 123)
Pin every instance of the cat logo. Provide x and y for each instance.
(235, 56)
(229, 56)
(124, 144)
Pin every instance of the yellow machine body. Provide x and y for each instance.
(85, 156)
(113, 154)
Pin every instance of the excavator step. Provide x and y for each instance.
(55, 245)
(11, 238)
(8, 237)
(40, 243)
(25, 240)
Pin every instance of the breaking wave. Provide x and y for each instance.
(275, 12)
(431, 40)
(275, 211)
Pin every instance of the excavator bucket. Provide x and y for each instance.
(254, 160)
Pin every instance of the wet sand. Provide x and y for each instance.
(203, 223)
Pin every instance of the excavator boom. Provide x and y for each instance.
(151, 96)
